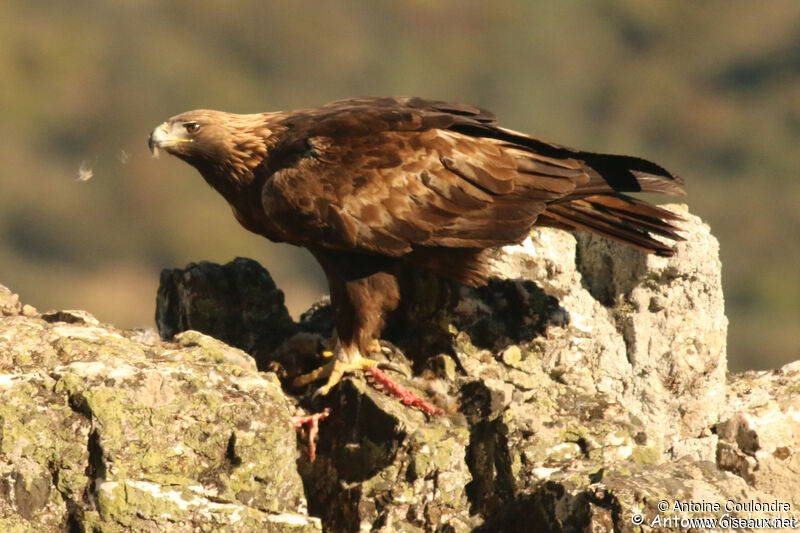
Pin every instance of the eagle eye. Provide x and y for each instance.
(191, 127)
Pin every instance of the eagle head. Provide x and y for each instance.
(222, 146)
(194, 136)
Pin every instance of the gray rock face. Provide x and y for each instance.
(758, 432)
(645, 332)
(583, 386)
(237, 303)
(105, 430)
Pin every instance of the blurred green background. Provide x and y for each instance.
(711, 90)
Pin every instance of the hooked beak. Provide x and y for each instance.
(162, 137)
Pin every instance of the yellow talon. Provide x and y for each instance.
(334, 371)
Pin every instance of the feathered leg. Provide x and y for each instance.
(362, 294)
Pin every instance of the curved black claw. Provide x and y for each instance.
(321, 391)
(394, 368)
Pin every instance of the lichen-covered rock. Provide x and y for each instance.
(103, 432)
(581, 386)
(583, 389)
(9, 302)
(382, 466)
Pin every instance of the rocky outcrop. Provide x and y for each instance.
(108, 430)
(582, 389)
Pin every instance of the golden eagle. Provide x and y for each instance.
(377, 187)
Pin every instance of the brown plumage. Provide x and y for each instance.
(376, 187)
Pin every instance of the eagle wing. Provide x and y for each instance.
(389, 175)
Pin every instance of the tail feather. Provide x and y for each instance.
(617, 217)
(598, 202)
(598, 206)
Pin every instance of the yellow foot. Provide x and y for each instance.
(334, 371)
(374, 346)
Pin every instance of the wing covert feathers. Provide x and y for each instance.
(393, 176)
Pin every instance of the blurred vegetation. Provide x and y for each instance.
(710, 90)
